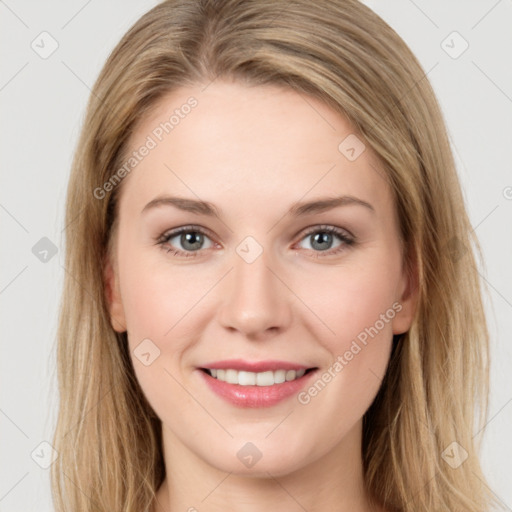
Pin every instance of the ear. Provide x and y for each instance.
(113, 296)
(407, 298)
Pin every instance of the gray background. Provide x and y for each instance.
(43, 102)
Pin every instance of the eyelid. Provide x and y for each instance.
(164, 238)
(346, 237)
(305, 231)
(177, 231)
(327, 227)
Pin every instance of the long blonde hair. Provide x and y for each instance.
(107, 435)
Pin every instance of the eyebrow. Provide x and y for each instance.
(297, 210)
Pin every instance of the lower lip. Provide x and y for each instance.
(256, 396)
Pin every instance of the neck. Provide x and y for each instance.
(333, 481)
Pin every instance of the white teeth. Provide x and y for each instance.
(245, 378)
(265, 379)
(231, 376)
(279, 376)
(268, 378)
(290, 375)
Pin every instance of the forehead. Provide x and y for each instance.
(264, 144)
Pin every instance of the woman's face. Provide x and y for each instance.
(290, 259)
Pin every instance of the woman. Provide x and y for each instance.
(210, 360)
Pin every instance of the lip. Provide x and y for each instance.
(254, 366)
(256, 396)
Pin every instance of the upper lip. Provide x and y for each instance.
(254, 366)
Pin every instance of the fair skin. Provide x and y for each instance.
(253, 152)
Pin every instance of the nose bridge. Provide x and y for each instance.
(255, 300)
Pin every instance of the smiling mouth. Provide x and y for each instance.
(246, 378)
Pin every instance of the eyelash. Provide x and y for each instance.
(347, 240)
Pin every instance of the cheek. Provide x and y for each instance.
(165, 315)
(358, 304)
(353, 300)
(345, 302)
(156, 301)
(158, 314)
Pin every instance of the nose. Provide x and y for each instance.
(256, 299)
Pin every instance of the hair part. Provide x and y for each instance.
(342, 53)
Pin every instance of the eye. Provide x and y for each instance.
(191, 239)
(321, 239)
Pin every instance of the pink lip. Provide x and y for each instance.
(254, 366)
(256, 396)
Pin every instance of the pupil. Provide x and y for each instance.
(321, 238)
(193, 239)
(321, 241)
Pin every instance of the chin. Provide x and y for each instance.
(257, 459)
